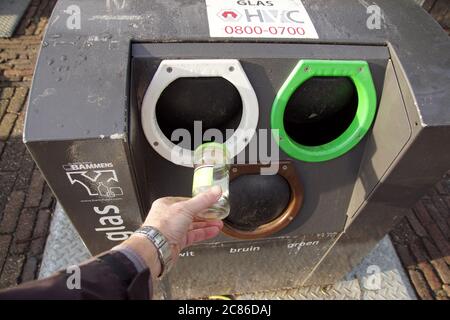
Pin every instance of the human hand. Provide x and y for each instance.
(175, 218)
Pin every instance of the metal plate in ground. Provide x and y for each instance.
(64, 246)
(11, 11)
(379, 276)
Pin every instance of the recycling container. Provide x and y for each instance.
(335, 115)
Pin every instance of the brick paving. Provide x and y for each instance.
(422, 243)
(440, 10)
(26, 203)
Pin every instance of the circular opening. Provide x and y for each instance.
(320, 110)
(212, 100)
(253, 201)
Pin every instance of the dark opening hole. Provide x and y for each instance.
(214, 101)
(256, 200)
(320, 110)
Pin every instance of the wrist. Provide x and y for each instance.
(147, 251)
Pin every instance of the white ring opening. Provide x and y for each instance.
(170, 70)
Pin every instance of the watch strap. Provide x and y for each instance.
(162, 246)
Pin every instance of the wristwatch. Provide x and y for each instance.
(162, 246)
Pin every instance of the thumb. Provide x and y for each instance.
(202, 201)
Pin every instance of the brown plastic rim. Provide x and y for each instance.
(285, 169)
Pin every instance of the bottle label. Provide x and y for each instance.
(203, 177)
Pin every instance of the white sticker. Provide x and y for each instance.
(259, 19)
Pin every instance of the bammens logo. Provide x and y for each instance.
(98, 179)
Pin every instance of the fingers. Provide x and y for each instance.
(169, 200)
(202, 234)
(205, 224)
(176, 199)
(201, 201)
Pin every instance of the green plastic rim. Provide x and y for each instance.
(359, 73)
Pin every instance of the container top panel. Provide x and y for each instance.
(80, 84)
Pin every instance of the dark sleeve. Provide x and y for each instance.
(111, 275)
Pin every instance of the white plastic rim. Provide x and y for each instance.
(170, 70)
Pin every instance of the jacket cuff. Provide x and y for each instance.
(128, 267)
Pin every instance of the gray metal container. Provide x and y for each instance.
(83, 128)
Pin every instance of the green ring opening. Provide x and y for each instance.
(359, 73)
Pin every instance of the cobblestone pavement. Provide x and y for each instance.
(422, 243)
(440, 10)
(26, 203)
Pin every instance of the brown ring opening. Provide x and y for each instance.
(287, 171)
